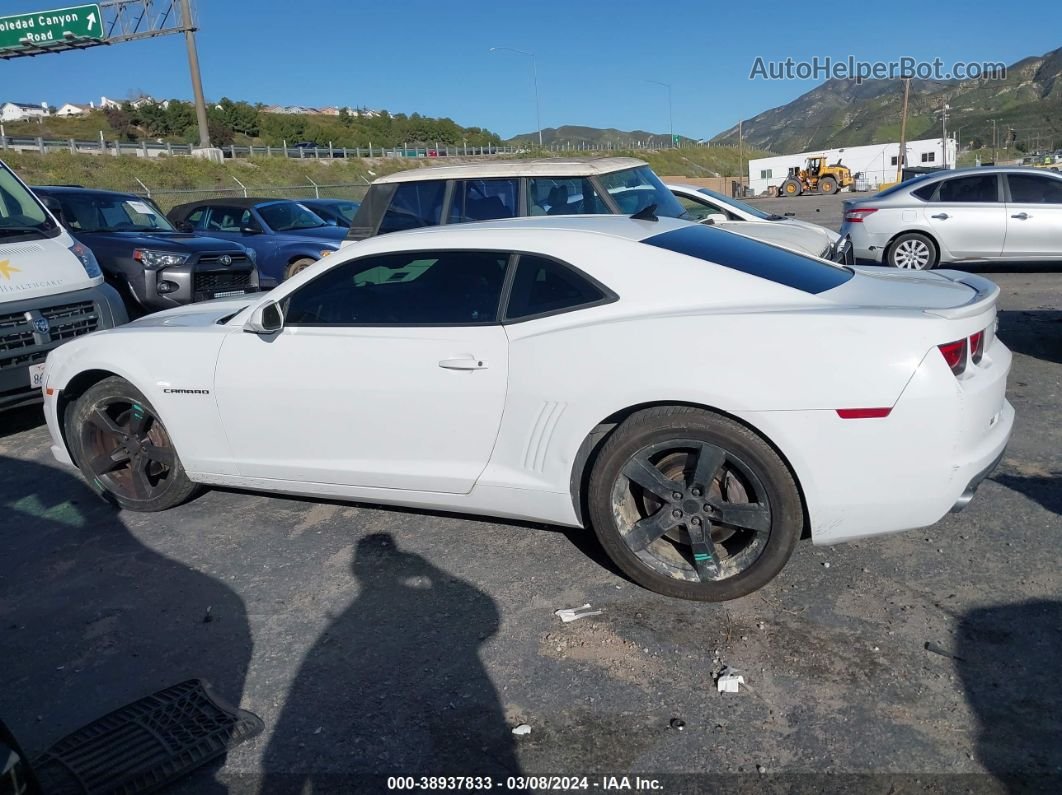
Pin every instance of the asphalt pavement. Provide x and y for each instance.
(377, 641)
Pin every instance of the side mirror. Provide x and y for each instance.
(184, 226)
(713, 218)
(265, 319)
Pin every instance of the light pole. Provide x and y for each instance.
(670, 118)
(534, 79)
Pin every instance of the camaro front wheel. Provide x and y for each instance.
(122, 448)
(694, 505)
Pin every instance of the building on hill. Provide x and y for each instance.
(20, 111)
(875, 162)
(73, 109)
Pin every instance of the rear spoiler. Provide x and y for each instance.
(985, 295)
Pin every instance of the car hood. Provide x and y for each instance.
(896, 289)
(334, 234)
(796, 238)
(202, 313)
(182, 242)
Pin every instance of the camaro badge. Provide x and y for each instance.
(6, 268)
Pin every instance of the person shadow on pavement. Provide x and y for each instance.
(91, 619)
(1008, 658)
(395, 685)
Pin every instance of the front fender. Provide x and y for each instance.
(174, 369)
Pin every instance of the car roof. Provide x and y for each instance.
(326, 201)
(620, 226)
(236, 201)
(541, 167)
(60, 190)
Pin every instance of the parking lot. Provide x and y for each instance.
(380, 641)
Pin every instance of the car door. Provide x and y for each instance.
(1034, 216)
(967, 216)
(390, 372)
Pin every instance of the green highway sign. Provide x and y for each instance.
(49, 28)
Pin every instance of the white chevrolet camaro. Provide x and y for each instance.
(699, 398)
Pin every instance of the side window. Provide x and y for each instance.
(542, 286)
(698, 211)
(408, 289)
(415, 204)
(1034, 189)
(559, 196)
(977, 188)
(484, 200)
(225, 219)
(196, 217)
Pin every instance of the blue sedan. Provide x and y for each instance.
(286, 235)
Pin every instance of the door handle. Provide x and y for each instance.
(463, 363)
(941, 216)
(1021, 216)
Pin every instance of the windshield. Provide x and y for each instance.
(21, 215)
(288, 216)
(346, 210)
(100, 212)
(756, 212)
(634, 189)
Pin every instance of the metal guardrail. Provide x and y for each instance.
(155, 149)
(168, 198)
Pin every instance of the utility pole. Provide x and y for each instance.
(670, 117)
(197, 81)
(902, 154)
(534, 80)
(741, 161)
(944, 131)
(995, 143)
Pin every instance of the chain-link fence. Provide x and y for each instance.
(169, 198)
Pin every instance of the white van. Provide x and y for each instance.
(51, 290)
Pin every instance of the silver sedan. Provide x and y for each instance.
(968, 215)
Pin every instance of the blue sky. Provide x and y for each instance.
(593, 57)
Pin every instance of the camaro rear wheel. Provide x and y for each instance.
(123, 450)
(694, 505)
(913, 251)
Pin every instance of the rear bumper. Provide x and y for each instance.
(971, 489)
(866, 477)
(865, 245)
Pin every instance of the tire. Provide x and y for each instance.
(912, 251)
(827, 186)
(298, 265)
(638, 528)
(791, 187)
(122, 448)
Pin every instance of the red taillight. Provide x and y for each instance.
(857, 215)
(954, 354)
(977, 347)
(863, 414)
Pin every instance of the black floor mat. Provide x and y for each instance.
(145, 745)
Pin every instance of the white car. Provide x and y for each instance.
(704, 204)
(695, 396)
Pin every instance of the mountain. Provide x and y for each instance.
(591, 137)
(846, 113)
